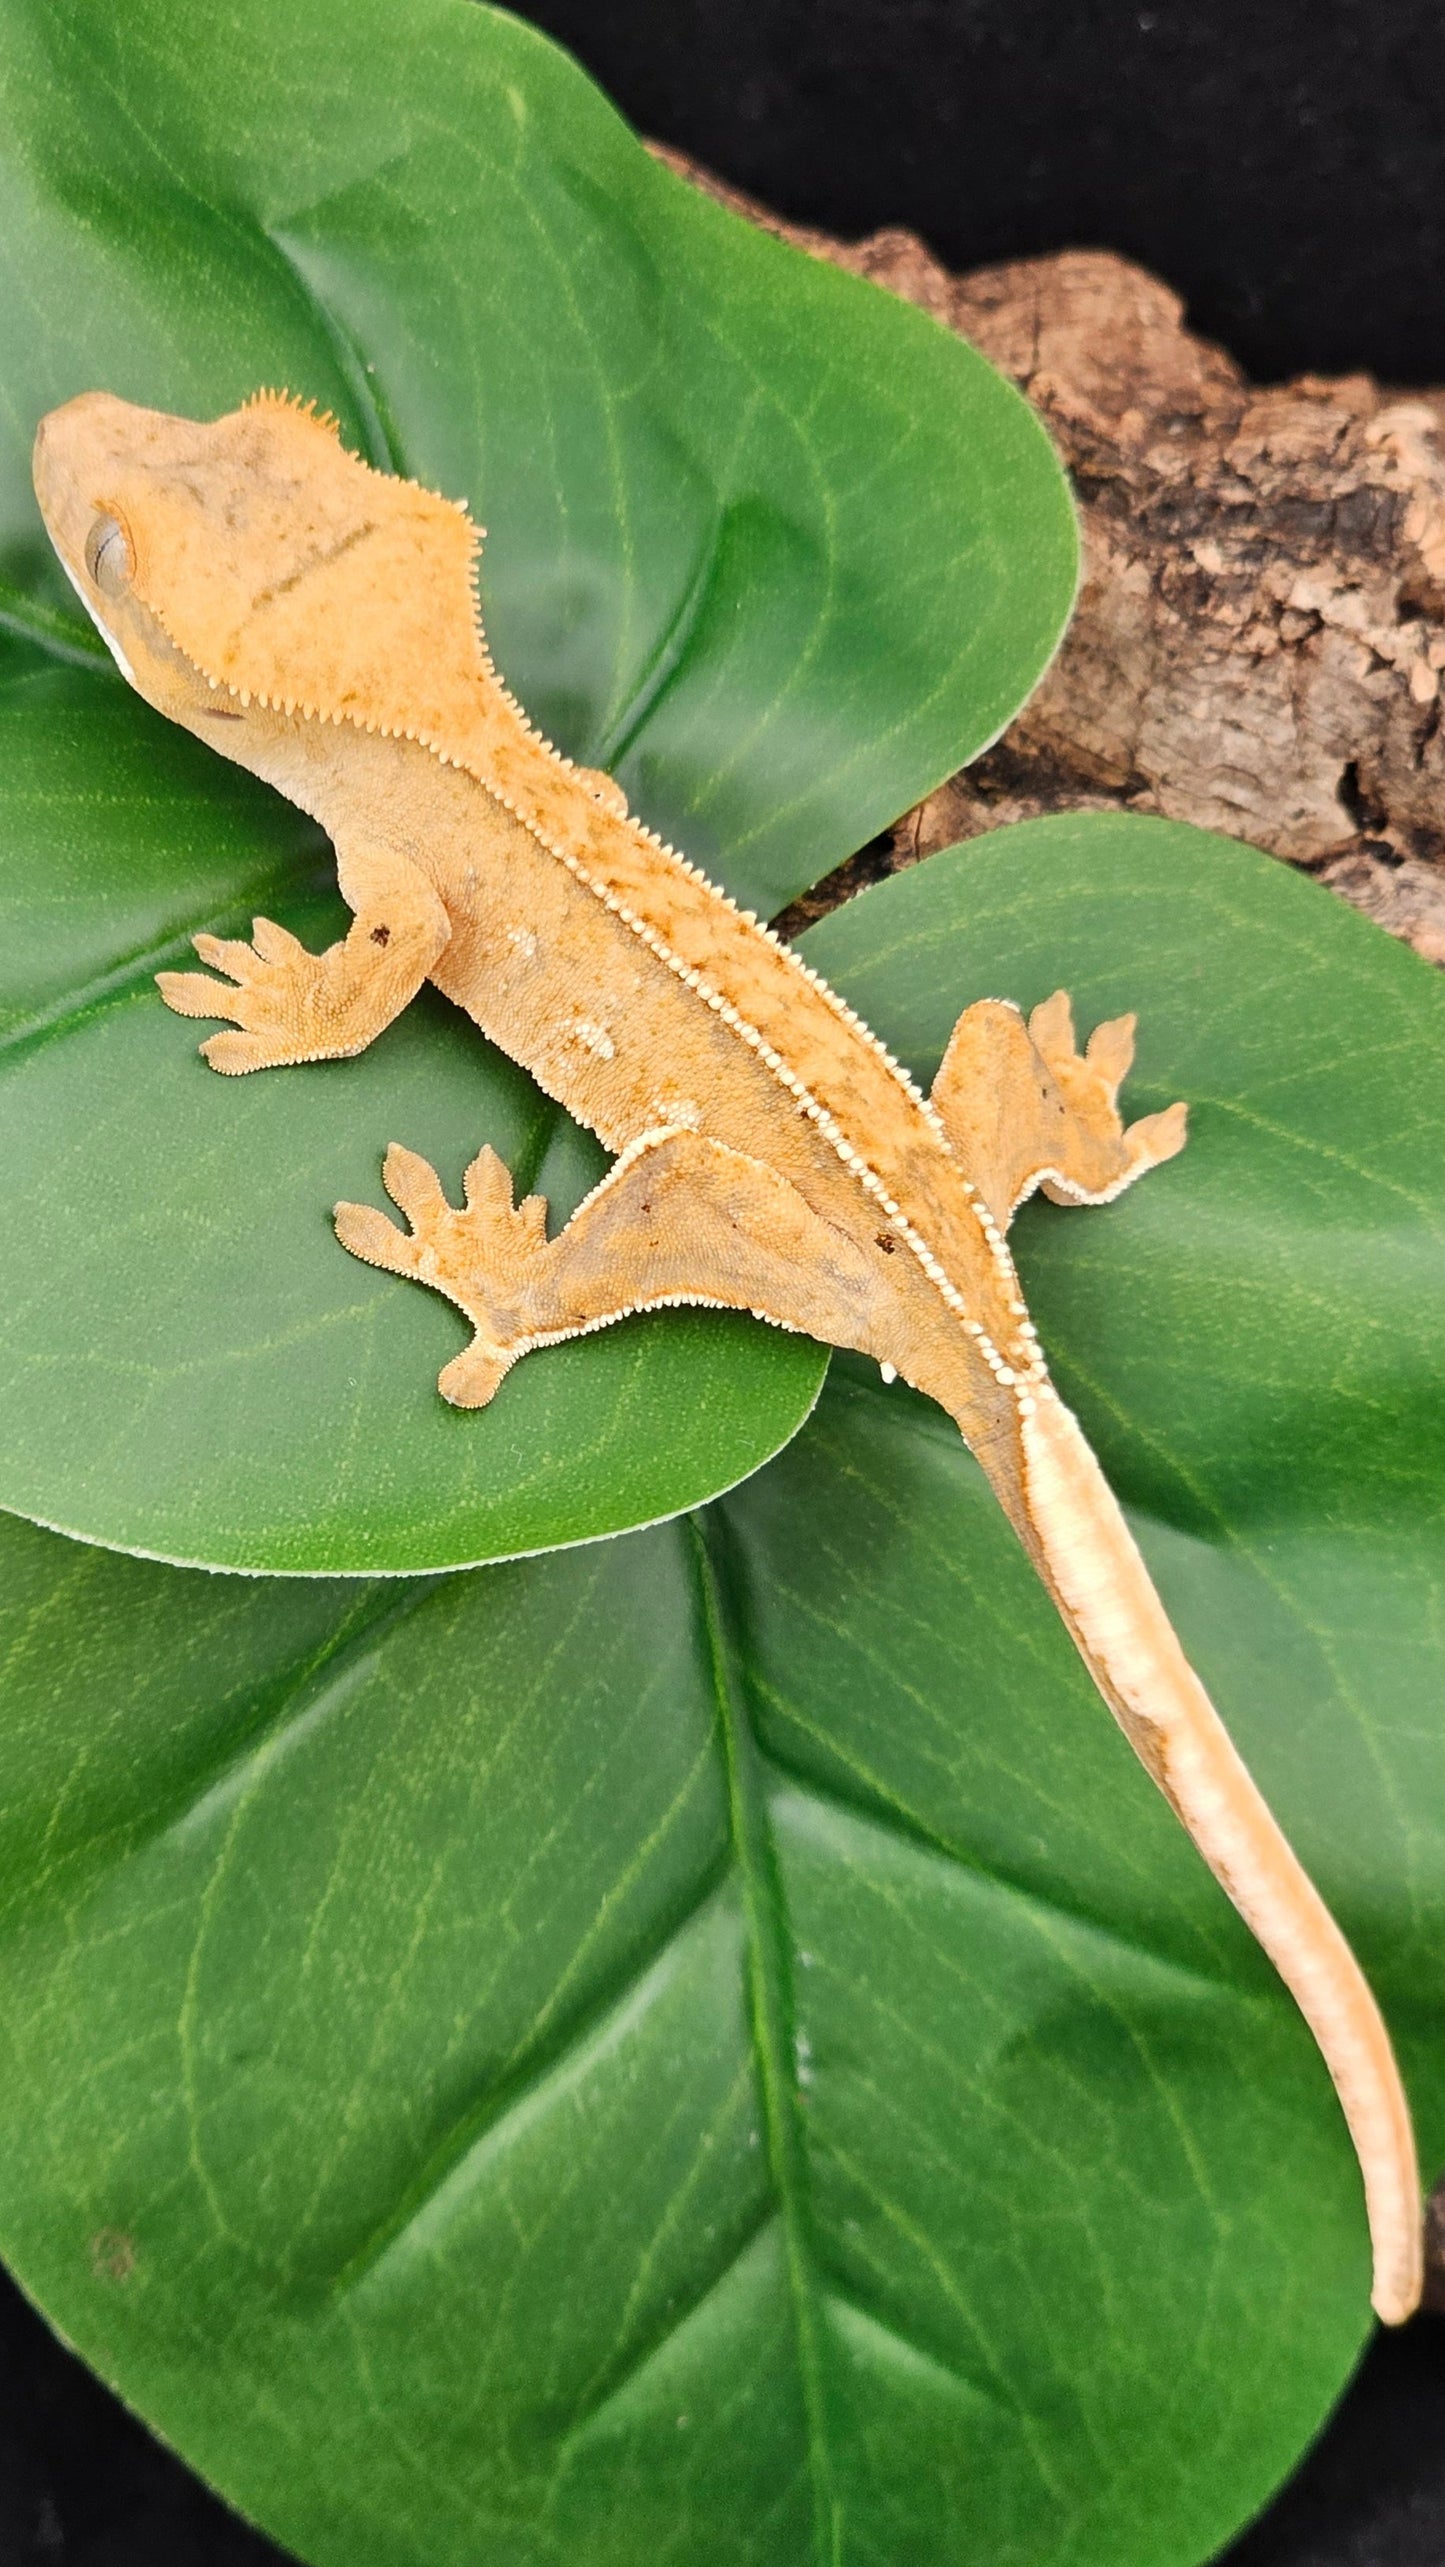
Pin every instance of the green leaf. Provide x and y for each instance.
(190, 1366)
(708, 2045)
(771, 544)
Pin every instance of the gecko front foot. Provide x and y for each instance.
(481, 1257)
(275, 993)
(290, 1005)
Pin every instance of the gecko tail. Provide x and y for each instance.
(1094, 1569)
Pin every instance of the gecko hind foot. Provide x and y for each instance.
(479, 1257)
(677, 1218)
(1024, 1108)
(1090, 1084)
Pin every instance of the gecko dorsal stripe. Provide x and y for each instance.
(317, 622)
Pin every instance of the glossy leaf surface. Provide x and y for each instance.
(708, 2044)
(769, 543)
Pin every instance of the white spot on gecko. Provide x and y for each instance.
(675, 1113)
(593, 1037)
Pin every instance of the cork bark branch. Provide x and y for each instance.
(1259, 644)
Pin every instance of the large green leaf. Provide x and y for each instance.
(708, 2046)
(768, 542)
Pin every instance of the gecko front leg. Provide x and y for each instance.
(292, 1005)
(677, 1219)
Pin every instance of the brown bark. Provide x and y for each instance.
(1260, 636)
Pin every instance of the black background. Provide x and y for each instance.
(1280, 162)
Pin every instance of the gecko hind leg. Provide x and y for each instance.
(1023, 1108)
(677, 1219)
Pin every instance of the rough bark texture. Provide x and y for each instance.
(1260, 636)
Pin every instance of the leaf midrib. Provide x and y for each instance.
(770, 2024)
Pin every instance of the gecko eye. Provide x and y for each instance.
(107, 557)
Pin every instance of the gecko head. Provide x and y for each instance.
(249, 565)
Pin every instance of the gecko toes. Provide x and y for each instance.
(369, 1235)
(473, 1377)
(1157, 1137)
(277, 944)
(1109, 1051)
(234, 1053)
(225, 954)
(1051, 1025)
(196, 994)
(413, 1185)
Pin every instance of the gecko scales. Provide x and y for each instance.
(317, 622)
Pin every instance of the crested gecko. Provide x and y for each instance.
(317, 622)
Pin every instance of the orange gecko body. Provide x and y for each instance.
(317, 622)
